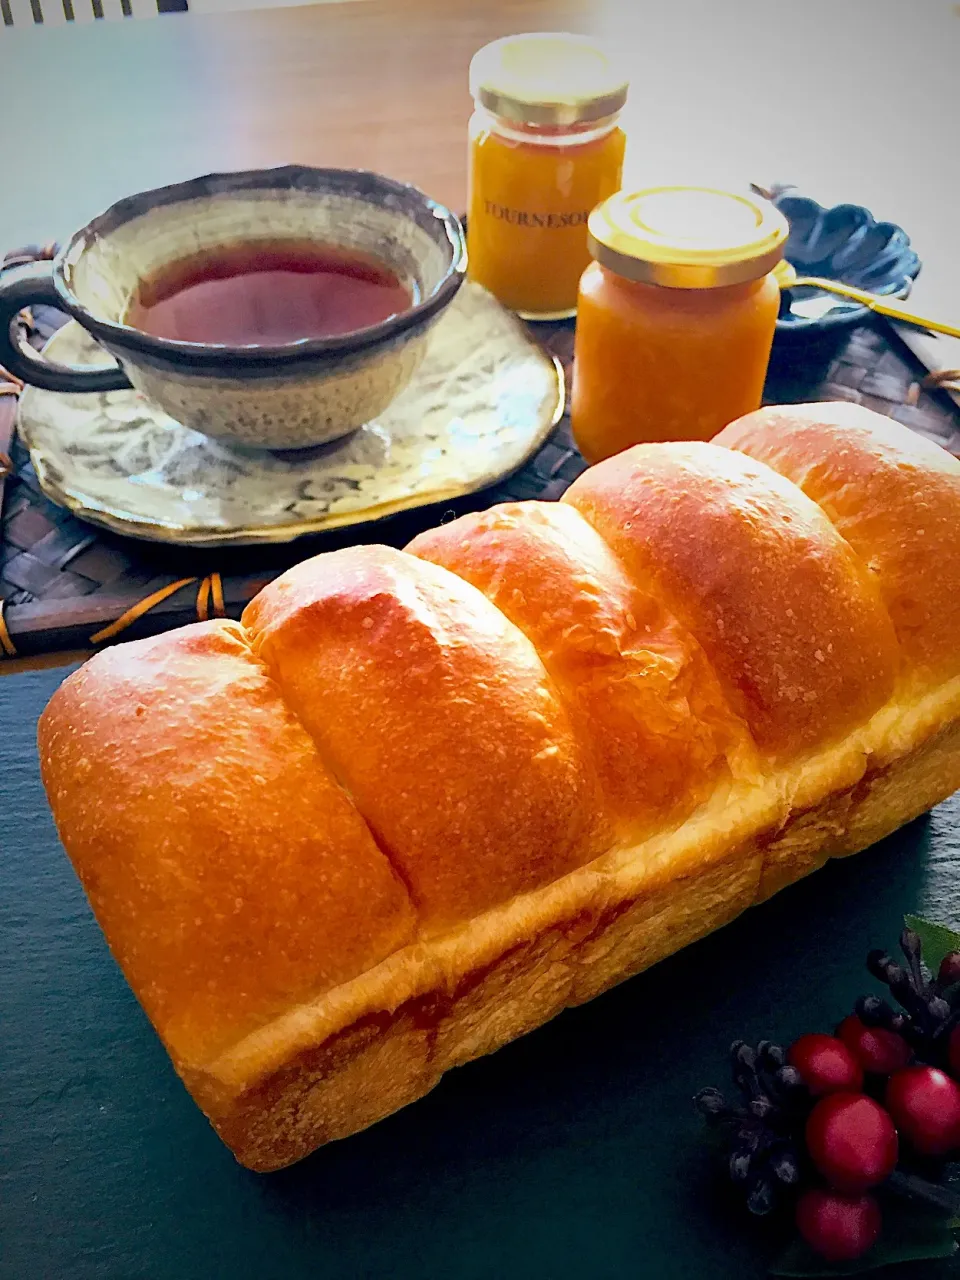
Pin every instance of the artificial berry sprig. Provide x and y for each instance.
(827, 1122)
(930, 1006)
(766, 1127)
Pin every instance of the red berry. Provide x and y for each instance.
(826, 1065)
(954, 1051)
(949, 972)
(876, 1049)
(925, 1105)
(839, 1228)
(852, 1141)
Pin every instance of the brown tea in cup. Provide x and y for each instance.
(263, 293)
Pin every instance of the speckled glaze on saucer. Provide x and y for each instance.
(483, 401)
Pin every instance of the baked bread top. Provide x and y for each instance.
(761, 577)
(637, 685)
(232, 875)
(892, 494)
(393, 742)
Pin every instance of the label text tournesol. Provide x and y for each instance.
(521, 218)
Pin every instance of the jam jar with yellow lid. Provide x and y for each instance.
(676, 315)
(545, 148)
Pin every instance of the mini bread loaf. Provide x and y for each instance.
(417, 802)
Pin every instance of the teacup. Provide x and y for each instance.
(288, 396)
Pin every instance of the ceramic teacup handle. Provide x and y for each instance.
(35, 285)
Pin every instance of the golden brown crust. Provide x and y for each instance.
(301, 995)
(575, 946)
(894, 496)
(229, 872)
(787, 614)
(642, 697)
(438, 717)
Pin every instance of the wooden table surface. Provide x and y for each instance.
(572, 1153)
(850, 99)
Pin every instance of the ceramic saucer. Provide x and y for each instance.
(483, 401)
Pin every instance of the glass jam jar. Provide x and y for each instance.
(676, 316)
(545, 149)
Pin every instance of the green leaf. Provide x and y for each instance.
(911, 1233)
(935, 939)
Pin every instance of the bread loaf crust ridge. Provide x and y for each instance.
(419, 802)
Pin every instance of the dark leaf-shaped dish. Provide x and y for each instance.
(844, 243)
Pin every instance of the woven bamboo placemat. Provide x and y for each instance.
(66, 585)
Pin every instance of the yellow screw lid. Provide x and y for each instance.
(547, 77)
(688, 237)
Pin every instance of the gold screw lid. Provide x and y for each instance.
(547, 77)
(688, 237)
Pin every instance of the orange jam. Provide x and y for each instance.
(676, 316)
(545, 149)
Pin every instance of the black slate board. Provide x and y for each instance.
(572, 1154)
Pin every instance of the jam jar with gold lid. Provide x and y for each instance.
(676, 315)
(545, 148)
